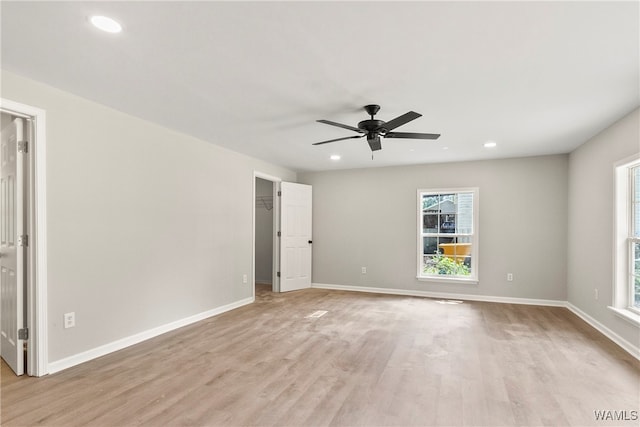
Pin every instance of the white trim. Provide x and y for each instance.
(475, 237)
(443, 295)
(37, 293)
(626, 314)
(94, 353)
(257, 174)
(620, 256)
(444, 279)
(626, 345)
(275, 278)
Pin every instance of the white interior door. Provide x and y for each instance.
(12, 254)
(295, 239)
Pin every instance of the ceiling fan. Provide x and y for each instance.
(375, 129)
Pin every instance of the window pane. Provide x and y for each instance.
(636, 183)
(429, 265)
(463, 252)
(430, 203)
(636, 275)
(635, 200)
(430, 223)
(465, 213)
(444, 241)
(447, 201)
(430, 245)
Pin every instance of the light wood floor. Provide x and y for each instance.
(371, 360)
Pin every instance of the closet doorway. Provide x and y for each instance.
(266, 249)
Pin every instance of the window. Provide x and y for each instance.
(626, 295)
(634, 238)
(447, 235)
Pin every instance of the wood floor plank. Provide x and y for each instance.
(372, 359)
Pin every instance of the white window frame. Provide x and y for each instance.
(475, 247)
(622, 303)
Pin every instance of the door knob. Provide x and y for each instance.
(310, 241)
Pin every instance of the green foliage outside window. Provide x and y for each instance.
(440, 264)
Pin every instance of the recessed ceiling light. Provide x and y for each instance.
(445, 148)
(335, 157)
(106, 24)
(490, 144)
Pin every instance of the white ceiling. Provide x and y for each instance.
(536, 77)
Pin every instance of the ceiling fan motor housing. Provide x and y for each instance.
(371, 125)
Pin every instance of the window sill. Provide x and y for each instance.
(627, 315)
(443, 280)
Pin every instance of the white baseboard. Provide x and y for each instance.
(94, 353)
(88, 355)
(443, 295)
(626, 345)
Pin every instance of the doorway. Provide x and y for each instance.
(291, 233)
(266, 216)
(23, 248)
(264, 233)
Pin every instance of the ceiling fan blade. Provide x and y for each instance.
(401, 120)
(340, 125)
(337, 139)
(410, 135)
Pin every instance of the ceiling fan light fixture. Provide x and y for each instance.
(106, 24)
(335, 157)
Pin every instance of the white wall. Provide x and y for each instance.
(5, 120)
(264, 232)
(368, 217)
(591, 207)
(146, 226)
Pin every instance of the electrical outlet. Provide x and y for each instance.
(595, 294)
(69, 320)
(364, 270)
(244, 278)
(509, 277)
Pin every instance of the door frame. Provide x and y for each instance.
(275, 280)
(36, 296)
